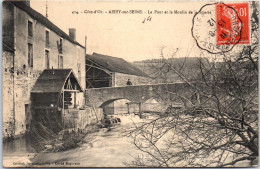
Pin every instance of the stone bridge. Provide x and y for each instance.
(163, 93)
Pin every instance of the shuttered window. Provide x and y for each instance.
(30, 29)
(30, 55)
(47, 39)
(47, 59)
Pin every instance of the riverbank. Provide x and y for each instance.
(109, 148)
(100, 148)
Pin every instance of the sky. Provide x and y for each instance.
(125, 35)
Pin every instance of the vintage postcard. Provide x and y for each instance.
(130, 83)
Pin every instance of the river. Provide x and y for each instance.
(107, 149)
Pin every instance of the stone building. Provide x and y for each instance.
(31, 44)
(108, 71)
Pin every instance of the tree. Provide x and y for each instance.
(218, 124)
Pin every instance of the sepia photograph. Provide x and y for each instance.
(130, 84)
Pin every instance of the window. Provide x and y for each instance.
(47, 39)
(60, 61)
(30, 55)
(30, 29)
(47, 59)
(60, 45)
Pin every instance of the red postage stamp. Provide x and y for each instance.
(232, 24)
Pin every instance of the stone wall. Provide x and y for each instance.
(120, 79)
(17, 85)
(18, 76)
(100, 97)
(7, 95)
(23, 84)
(78, 119)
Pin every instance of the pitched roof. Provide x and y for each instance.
(39, 17)
(115, 64)
(53, 80)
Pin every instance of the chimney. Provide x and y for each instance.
(72, 33)
(26, 2)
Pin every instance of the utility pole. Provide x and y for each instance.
(46, 4)
(86, 45)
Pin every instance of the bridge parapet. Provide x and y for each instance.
(98, 97)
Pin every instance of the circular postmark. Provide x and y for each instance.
(216, 28)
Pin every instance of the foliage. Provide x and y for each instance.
(219, 125)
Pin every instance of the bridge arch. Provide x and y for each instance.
(107, 102)
(99, 97)
(116, 106)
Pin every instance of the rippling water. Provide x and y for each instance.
(108, 149)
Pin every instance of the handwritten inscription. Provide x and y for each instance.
(148, 19)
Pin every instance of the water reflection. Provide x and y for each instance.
(18, 146)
